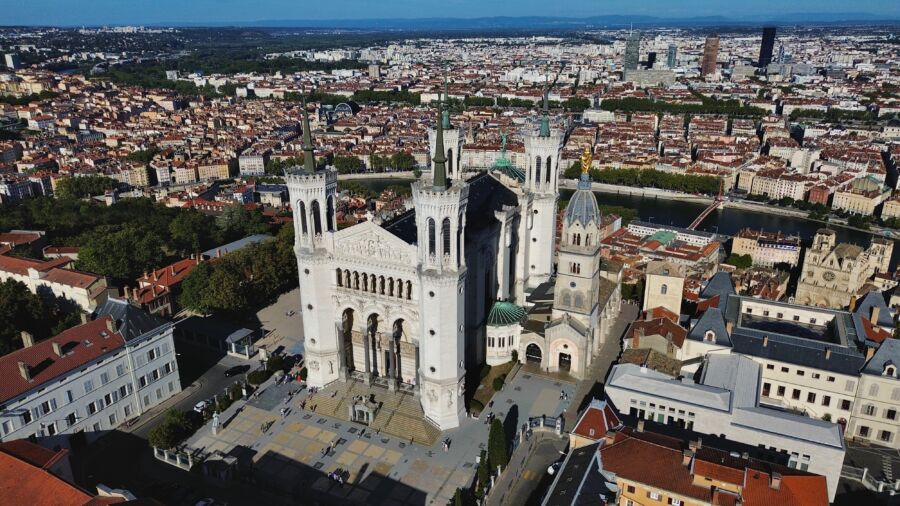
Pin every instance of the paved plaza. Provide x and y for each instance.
(297, 452)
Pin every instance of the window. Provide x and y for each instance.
(885, 436)
(112, 419)
(47, 407)
(845, 405)
(154, 374)
(800, 372)
(97, 427)
(653, 495)
(674, 502)
(895, 394)
(127, 410)
(70, 397)
(796, 318)
(167, 368)
(7, 427)
(146, 400)
(51, 429)
(816, 376)
(120, 370)
(152, 354)
(848, 386)
(104, 378)
(863, 431)
(663, 289)
(158, 393)
(795, 394)
(142, 381)
(770, 367)
(890, 414)
(873, 390)
(88, 386)
(27, 418)
(869, 410)
(780, 315)
(72, 419)
(811, 397)
(171, 387)
(123, 391)
(830, 379)
(826, 400)
(92, 408)
(630, 489)
(781, 391)
(785, 369)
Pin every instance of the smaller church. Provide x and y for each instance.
(571, 315)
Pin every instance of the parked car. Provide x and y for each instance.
(238, 369)
(201, 406)
(553, 468)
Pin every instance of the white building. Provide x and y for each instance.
(84, 290)
(724, 402)
(88, 379)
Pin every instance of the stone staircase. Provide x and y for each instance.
(400, 414)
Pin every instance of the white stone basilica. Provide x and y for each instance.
(405, 304)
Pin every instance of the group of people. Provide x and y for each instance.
(337, 475)
(563, 395)
(446, 444)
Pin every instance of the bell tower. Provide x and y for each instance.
(441, 221)
(454, 139)
(542, 152)
(312, 195)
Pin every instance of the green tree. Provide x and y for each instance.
(174, 428)
(740, 261)
(78, 187)
(403, 161)
(193, 289)
(121, 253)
(347, 164)
(483, 475)
(237, 221)
(20, 310)
(144, 155)
(497, 452)
(574, 171)
(191, 232)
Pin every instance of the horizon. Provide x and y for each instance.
(216, 13)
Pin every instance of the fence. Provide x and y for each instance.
(870, 482)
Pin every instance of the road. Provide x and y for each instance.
(528, 471)
(210, 383)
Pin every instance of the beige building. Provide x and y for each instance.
(214, 170)
(776, 184)
(767, 249)
(833, 273)
(185, 174)
(664, 286)
(891, 208)
(861, 197)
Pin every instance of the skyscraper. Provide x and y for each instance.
(632, 51)
(651, 59)
(710, 55)
(768, 44)
(672, 55)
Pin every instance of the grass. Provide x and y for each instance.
(485, 390)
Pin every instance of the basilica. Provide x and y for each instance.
(466, 275)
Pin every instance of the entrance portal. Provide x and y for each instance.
(565, 362)
(533, 354)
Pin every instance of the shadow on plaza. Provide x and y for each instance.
(304, 484)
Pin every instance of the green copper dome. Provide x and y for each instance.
(505, 313)
(504, 165)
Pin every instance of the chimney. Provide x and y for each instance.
(84, 318)
(776, 481)
(870, 352)
(827, 353)
(640, 426)
(57, 349)
(155, 276)
(765, 341)
(610, 437)
(686, 457)
(127, 292)
(696, 445)
(172, 270)
(729, 327)
(876, 312)
(111, 324)
(27, 339)
(23, 370)
(852, 303)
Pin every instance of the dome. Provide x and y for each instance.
(505, 313)
(583, 208)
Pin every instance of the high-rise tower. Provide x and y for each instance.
(710, 55)
(672, 56)
(632, 51)
(767, 46)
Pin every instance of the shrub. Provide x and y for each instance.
(175, 428)
(497, 453)
(485, 370)
(275, 363)
(476, 406)
(515, 355)
(303, 373)
(498, 383)
(258, 377)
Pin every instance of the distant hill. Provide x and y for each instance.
(551, 23)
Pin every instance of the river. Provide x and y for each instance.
(724, 221)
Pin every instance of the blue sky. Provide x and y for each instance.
(75, 12)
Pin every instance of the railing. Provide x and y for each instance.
(862, 475)
(181, 459)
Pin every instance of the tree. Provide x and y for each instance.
(740, 261)
(497, 452)
(237, 221)
(175, 428)
(347, 164)
(121, 253)
(193, 289)
(574, 171)
(403, 161)
(483, 475)
(19, 310)
(78, 187)
(192, 231)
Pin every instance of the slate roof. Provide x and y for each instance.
(712, 320)
(582, 208)
(798, 351)
(403, 226)
(720, 284)
(132, 321)
(887, 354)
(862, 314)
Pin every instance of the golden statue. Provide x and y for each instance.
(586, 160)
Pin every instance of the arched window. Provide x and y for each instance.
(329, 216)
(355, 280)
(576, 239)
(449, 161)
(549, 168)
(889, 370)
(381, 285)
(364, 286)
(301, 209)
(391, 287)
(317, 217)
(340, 277)
(409, 290)
(400, 288)
(445, 236)
(664, 289)
(431, 240)
(537, 170)
(579, 300)
(566, 298)
(587, 240)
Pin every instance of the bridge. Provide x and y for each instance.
(717, 204)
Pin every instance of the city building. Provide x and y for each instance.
(632, 51)
(862, 196)
(766, 47)
(833, 274)
(86, 291)
(724, 402)
(767, 249)
(89, 378)
(709, 61)
(672, 56)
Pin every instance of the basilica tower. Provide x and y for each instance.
(542, 151)
(312, 195)
(453, 140)
(440, 207)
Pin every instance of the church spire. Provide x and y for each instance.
(545, 120)
(309, 160)
(445, 112)
(439, 182)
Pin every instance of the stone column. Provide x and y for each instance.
(368, 371)
(342, 346)
(392, 367)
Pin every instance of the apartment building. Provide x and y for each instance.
(88, 379)
(861, 197)
(87, 291)
(767, 249)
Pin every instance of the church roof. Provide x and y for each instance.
(582, 208)
(505, 313)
